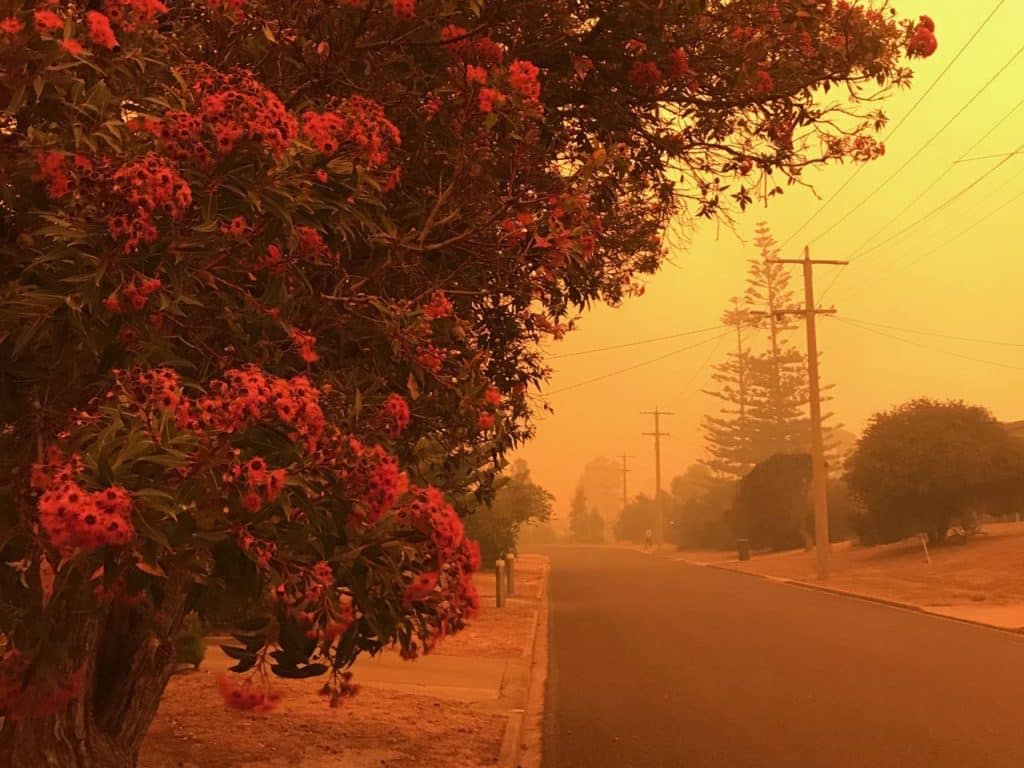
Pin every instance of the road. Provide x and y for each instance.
(655, 663)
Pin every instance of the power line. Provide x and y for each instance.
(949, 169)
(634, 367)
(635, 343)
(850, 211)
(949, 201)
(925, 346)
(985, 157)
(948, 241)
(898, 125)
(936, 335)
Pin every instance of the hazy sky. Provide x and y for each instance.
(971, 286)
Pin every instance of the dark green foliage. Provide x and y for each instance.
(517, 502)
(585, 525)
(772, 507)
(927, 466)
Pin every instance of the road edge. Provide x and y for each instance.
(521, 744)
(1016, 631)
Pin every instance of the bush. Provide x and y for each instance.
(517, 501)
(704, 518)
(773, 508)
(927, 466)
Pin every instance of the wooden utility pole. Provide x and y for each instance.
(657, 434)
(625, 471)
(818, 469)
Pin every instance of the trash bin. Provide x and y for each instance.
(743, 548)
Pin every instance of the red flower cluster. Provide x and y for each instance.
(100, 31)
(73, 518)
(48, 21)
(485, 420)
(263, 484)
(394, 414)
(261, 551)
(422, 587)
(645, 75)
(248, 396)
(679, 64)
(145, 187)
(522, 76)
(427, 511)
(19, 698)
(305, 343)
(404, 9)
(53, 172)
(471, 49)
(358, 122)
(372, 480)
(430, 357)
(312, 247)
(131, 15)
(247, 695)
(323, 610)
(231, 107)
(764, 82)
(135, 295)
(439, 307)
(12, 26)
(922, 42)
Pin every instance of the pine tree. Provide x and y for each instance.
(765, 392)
(727, 434)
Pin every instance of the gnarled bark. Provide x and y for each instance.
(124, 665)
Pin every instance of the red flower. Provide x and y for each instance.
(476, 75)
(922, 43)
(100, 31)
(645, 75)
(11, 25)
(764, 83)
(404, 9)
(492, 397)
(522, 76)
(246, 695)
(305, 343)
(927, 23)
(485, 420)
(394, 413)
(72, 46)
(321, 175)
(48, 21)
(439, 306)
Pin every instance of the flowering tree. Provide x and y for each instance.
(273, 278)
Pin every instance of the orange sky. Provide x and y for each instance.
(970, 287)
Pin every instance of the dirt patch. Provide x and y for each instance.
(379, 727)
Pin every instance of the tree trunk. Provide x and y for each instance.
(124, 666)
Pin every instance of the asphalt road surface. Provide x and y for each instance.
(657, 663)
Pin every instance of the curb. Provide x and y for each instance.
(910, 607)
(517, 751)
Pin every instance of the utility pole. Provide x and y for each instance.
(657, 434)
(818, 468)
(625, 471)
